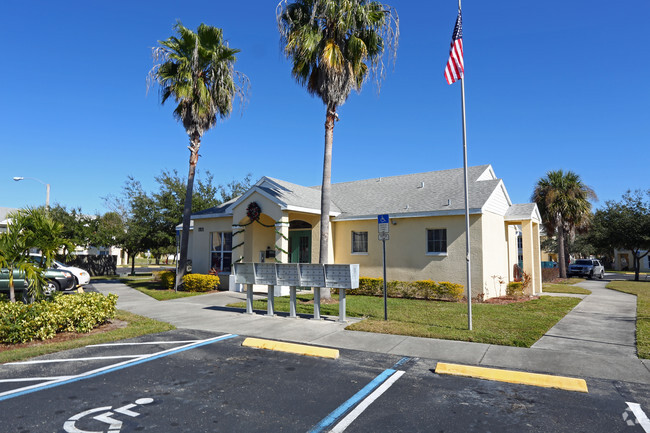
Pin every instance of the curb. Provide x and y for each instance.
(511, 376)
(299, 349)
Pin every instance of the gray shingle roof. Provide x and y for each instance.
(521, 211)
(421, 192)
(407, 194)
(295, 195)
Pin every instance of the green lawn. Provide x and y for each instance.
(516, 324)
(567, 286)
(642, 291)
(151, 288)
(137, 326)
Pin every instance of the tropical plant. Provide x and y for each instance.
(564, 204)
(334, 47)
(44, 233)
(15, 244)
(197, 71)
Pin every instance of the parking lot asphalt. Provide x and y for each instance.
(198, 381)
(581, 359)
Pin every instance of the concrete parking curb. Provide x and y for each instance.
(511, 376)
(299, 349)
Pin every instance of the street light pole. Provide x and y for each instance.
(47, 189)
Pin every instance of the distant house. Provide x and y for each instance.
(427, 230)
(4, 221)
(624, 261)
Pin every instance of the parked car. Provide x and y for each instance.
(20, 285)
(81, 277)
(586, 268)
(56, 280)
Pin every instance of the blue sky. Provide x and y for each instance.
(549, 85)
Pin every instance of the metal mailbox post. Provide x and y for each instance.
(293, 275)
(265, 275)
(342, 277)
(288, 274)
(313, 276)
(245, 274)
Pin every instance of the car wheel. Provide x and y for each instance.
(51, 287)
(602, 274)
(76, 283)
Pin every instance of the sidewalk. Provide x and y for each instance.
(551, 354)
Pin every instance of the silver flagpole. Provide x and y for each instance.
(467, 249)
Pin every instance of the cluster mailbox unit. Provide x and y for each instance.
(295, 275)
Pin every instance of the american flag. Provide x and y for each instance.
(455, 67)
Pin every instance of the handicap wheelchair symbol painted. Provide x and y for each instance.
(106, 416)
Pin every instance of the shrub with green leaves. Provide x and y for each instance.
(20, 323)
(200, 282)
(515, 288)
(423, 289)
(167, 278)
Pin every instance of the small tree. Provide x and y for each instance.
(15, 244)
(625, 225)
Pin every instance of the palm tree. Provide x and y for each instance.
(563, 202)
(15, 244)
(197, 70)
(334, 46)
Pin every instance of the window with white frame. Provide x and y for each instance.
(359, 242)
(221, 251)
(436, 241)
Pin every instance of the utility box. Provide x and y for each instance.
(288, 274)
(312, 275)
(342, 276)
(265, 274)
(244, 273)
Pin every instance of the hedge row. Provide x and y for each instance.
(424, 289)
(191, 282)
(200, 282)
(20, 323)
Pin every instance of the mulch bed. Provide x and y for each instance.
(66, 336)
(502, 300)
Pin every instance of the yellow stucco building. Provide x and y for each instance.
(427, 229)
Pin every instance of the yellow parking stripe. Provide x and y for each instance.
(544, 380)
(299, 349)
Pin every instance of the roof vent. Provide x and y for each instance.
(379, 180)
(448, 202)
(421, 185)
(407, 206)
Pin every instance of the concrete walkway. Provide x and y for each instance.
(594, 358)
(604, 323)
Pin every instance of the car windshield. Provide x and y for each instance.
(583, 262)
(59, 264)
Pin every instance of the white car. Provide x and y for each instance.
(81, 277)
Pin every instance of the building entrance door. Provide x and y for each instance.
(300, 246)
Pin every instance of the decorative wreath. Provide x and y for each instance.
(253, 211)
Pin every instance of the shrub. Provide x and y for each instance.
(515, 288)
(200, 282)
(424, 289)
(167, 278)
(449, 290)
(20, 323)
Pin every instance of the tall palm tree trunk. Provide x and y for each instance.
(561, 258)
(195, 144)
(326, 192)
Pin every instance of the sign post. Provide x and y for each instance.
(383, 226)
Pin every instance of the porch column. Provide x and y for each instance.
(282, 240)
(528, 246)
(238, 235)
(537, 259)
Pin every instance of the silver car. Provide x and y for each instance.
(586, 268)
